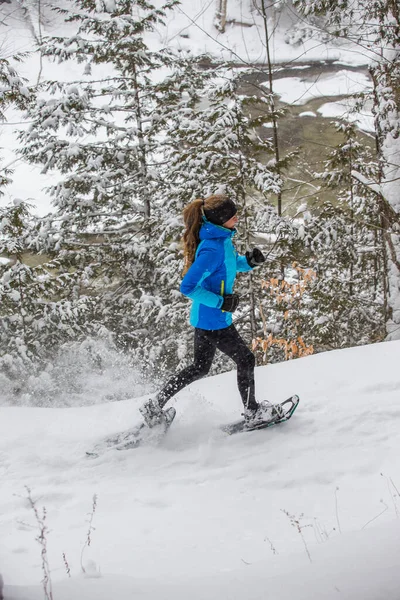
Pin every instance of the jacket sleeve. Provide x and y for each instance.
(242, 265)
(207, 261)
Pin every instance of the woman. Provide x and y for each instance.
(211, 264)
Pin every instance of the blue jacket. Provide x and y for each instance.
(212, 275)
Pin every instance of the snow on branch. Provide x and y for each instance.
(372, 185)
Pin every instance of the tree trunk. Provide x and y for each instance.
(272, 101)
(220, 16)
(141, 143)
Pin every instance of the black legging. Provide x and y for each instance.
(205, 344)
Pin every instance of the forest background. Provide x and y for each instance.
(131, 111)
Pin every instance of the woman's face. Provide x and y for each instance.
(232, 222)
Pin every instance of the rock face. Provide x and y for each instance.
(1, 581)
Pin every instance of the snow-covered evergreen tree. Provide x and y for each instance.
(40, 303)
(332, 296)
(13, 91)
(216, 147)
(375, 26)
(106, 134)
(345, 240)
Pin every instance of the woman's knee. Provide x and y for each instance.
(247, 360)
(252, 360)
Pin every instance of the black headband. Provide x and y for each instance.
(221, 213)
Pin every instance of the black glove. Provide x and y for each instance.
(255, 257)
(230, 303)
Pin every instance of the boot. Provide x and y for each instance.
(264, 412)
(152, 413)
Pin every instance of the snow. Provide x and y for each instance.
(307, 113)
(203, 515)
(296, 90)
(391, 149)
(343, 110)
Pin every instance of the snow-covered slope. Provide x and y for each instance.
(309, 508)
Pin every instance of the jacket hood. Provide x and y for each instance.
(209, 231)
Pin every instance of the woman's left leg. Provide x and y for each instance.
(230, 343)
(204, 352)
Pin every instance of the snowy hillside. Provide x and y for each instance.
(306, 509)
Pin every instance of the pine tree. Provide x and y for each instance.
(40, 304)
(217, 148)
(332, 294)
(107, 135)
(13, 91)
(375, 27)
(101, 132)
(347, 251)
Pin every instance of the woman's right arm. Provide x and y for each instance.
(206, 262)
